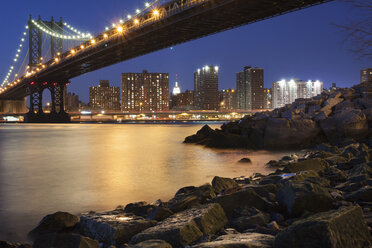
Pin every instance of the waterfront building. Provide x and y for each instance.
(206, 95)
(268, 98)
(183, 101)
(72, 102)
(287, 91)
(250, 88)
(366, 75)
(104, 97)
(144, 91)
(227, 99)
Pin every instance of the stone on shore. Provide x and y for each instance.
(245, 160)
(185, 227)
(244, 198)
(64, 241)
(240, 240)
(315, 164)
(297, 198)
(54, 223)
(155, 243)
(342, 228)
(114, 227)
(220, 184)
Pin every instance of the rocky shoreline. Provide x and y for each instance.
(320, 199)
(331, 117)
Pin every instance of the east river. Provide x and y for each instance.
(46, 168)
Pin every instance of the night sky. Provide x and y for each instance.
(305, 44)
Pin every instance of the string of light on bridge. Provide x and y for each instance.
(117, 29)
(19, 50)
(80, 36)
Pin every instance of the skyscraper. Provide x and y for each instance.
(206, 95)
(72, 102)
(250, 88)
(268, 99)
(366, 75)
(287, 91)
(144, 91)
(104, 97)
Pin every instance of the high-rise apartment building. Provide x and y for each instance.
(227, 99)
(250, 88)
(206, 95)
(144, 91)
(287, 91)
(366, 75)
(104, 97)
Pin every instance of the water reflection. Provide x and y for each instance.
(77, 168)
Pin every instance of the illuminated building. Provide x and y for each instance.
(250, 88)
(176, 89)
(72, 102)
(366, 75)
(104, 97)
(144, 91)
(268, 99)
(227, 99)
(287, 91)
(183, 101)
(206, 95)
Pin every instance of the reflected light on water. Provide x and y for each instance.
(78, 168)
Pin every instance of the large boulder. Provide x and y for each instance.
(314, 164)
(240, 240)
(113, 227)
(64, 241)
(155, 243)
(186, 227)
(283, 134)
(54, 223)
(342, 228)
(244, 198)
(347, 123)
(300, 197)
(220, 184)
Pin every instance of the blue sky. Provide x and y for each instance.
(305, 44)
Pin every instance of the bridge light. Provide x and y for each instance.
(113, 25)
(156, 12)
(93, 41)
(129, 17)
(56, 59)
(72, 51)
(106, 28)
(147, 5)
(105, 36)
(121, 21)
(136, 21)
(138, 11)
(82, 47)
(120, 29)
(58, 53)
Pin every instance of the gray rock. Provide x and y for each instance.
(349, 123)
(220, 184)
(244, 198)
(159, 213)
(245, 222)
(54, 223)
(342, 228)
(113, 227)
(155, 243)
(241, 240)
(186, 227)
(315, 164)
(298, 198)
(362, 194)
(64, 241)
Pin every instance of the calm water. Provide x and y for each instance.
(80, 167)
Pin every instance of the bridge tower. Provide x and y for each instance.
(57, 87)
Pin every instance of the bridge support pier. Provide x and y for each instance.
(13, 106)
(57, 113)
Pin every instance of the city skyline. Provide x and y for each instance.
(315, 56)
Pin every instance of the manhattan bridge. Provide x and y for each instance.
(52, 52)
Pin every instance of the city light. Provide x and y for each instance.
(119, 29)
(136, 21)
(156, 12)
